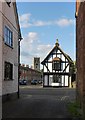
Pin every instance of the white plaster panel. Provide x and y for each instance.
(46, 80)
(66, 80)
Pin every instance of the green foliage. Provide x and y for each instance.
(73, 67)
(74, 109)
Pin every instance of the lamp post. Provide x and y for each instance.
(19, 40)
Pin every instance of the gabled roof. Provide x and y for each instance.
(57, 47)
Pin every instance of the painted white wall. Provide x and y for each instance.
(66, 80)
(10, 55)
(50, 80)
(67, 69)
(1, 38)
(63, 58)
(51, 83)
(50, 64)
(56, 84)
(62, 82)
(50, 68)
(45, 80)
(45, 69)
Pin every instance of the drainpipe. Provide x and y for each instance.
(19, 40)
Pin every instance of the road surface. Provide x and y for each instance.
(38, 102)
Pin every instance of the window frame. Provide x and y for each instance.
(57, 78)
(8, 36)
(57, 65)
(8, 71)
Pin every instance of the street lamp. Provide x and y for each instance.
(19, 40)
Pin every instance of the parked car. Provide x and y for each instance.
(40, 81)
(23, 82)
(34, 82)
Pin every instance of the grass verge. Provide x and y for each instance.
(74, 109)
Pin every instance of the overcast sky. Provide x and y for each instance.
(41, 24)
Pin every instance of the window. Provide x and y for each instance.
(8, 36)
(56, 78)
(8, 71)
(57, 65)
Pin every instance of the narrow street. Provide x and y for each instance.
(38, 102)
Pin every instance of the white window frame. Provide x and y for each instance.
(8, 36)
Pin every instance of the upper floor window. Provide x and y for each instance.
(8, 36)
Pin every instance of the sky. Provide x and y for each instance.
(41, 24)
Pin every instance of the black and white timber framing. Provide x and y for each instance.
(57, 68)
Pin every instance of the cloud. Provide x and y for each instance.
(25, 17)
(64, 22)
(28, 41)
(42, 23)
(26, 21)
(44, 48)
(32, 36)
(31, 47)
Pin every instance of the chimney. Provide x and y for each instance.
(27, 66)
(23, 65)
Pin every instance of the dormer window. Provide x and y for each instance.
(57, 64)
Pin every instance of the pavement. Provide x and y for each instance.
(38, 102)
(31, 86)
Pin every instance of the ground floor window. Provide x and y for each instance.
(8, 71)
(56, 78)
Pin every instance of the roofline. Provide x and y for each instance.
(27, 68)
(69, 60)
(17, 19)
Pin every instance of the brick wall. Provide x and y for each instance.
(80, 52)
(29, 74)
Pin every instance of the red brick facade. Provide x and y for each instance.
(80, 52)
(29, 74)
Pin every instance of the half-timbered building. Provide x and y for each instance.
(57, 68)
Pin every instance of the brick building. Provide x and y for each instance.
(29, 73)
(80, 52)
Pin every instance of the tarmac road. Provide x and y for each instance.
(38, 102)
